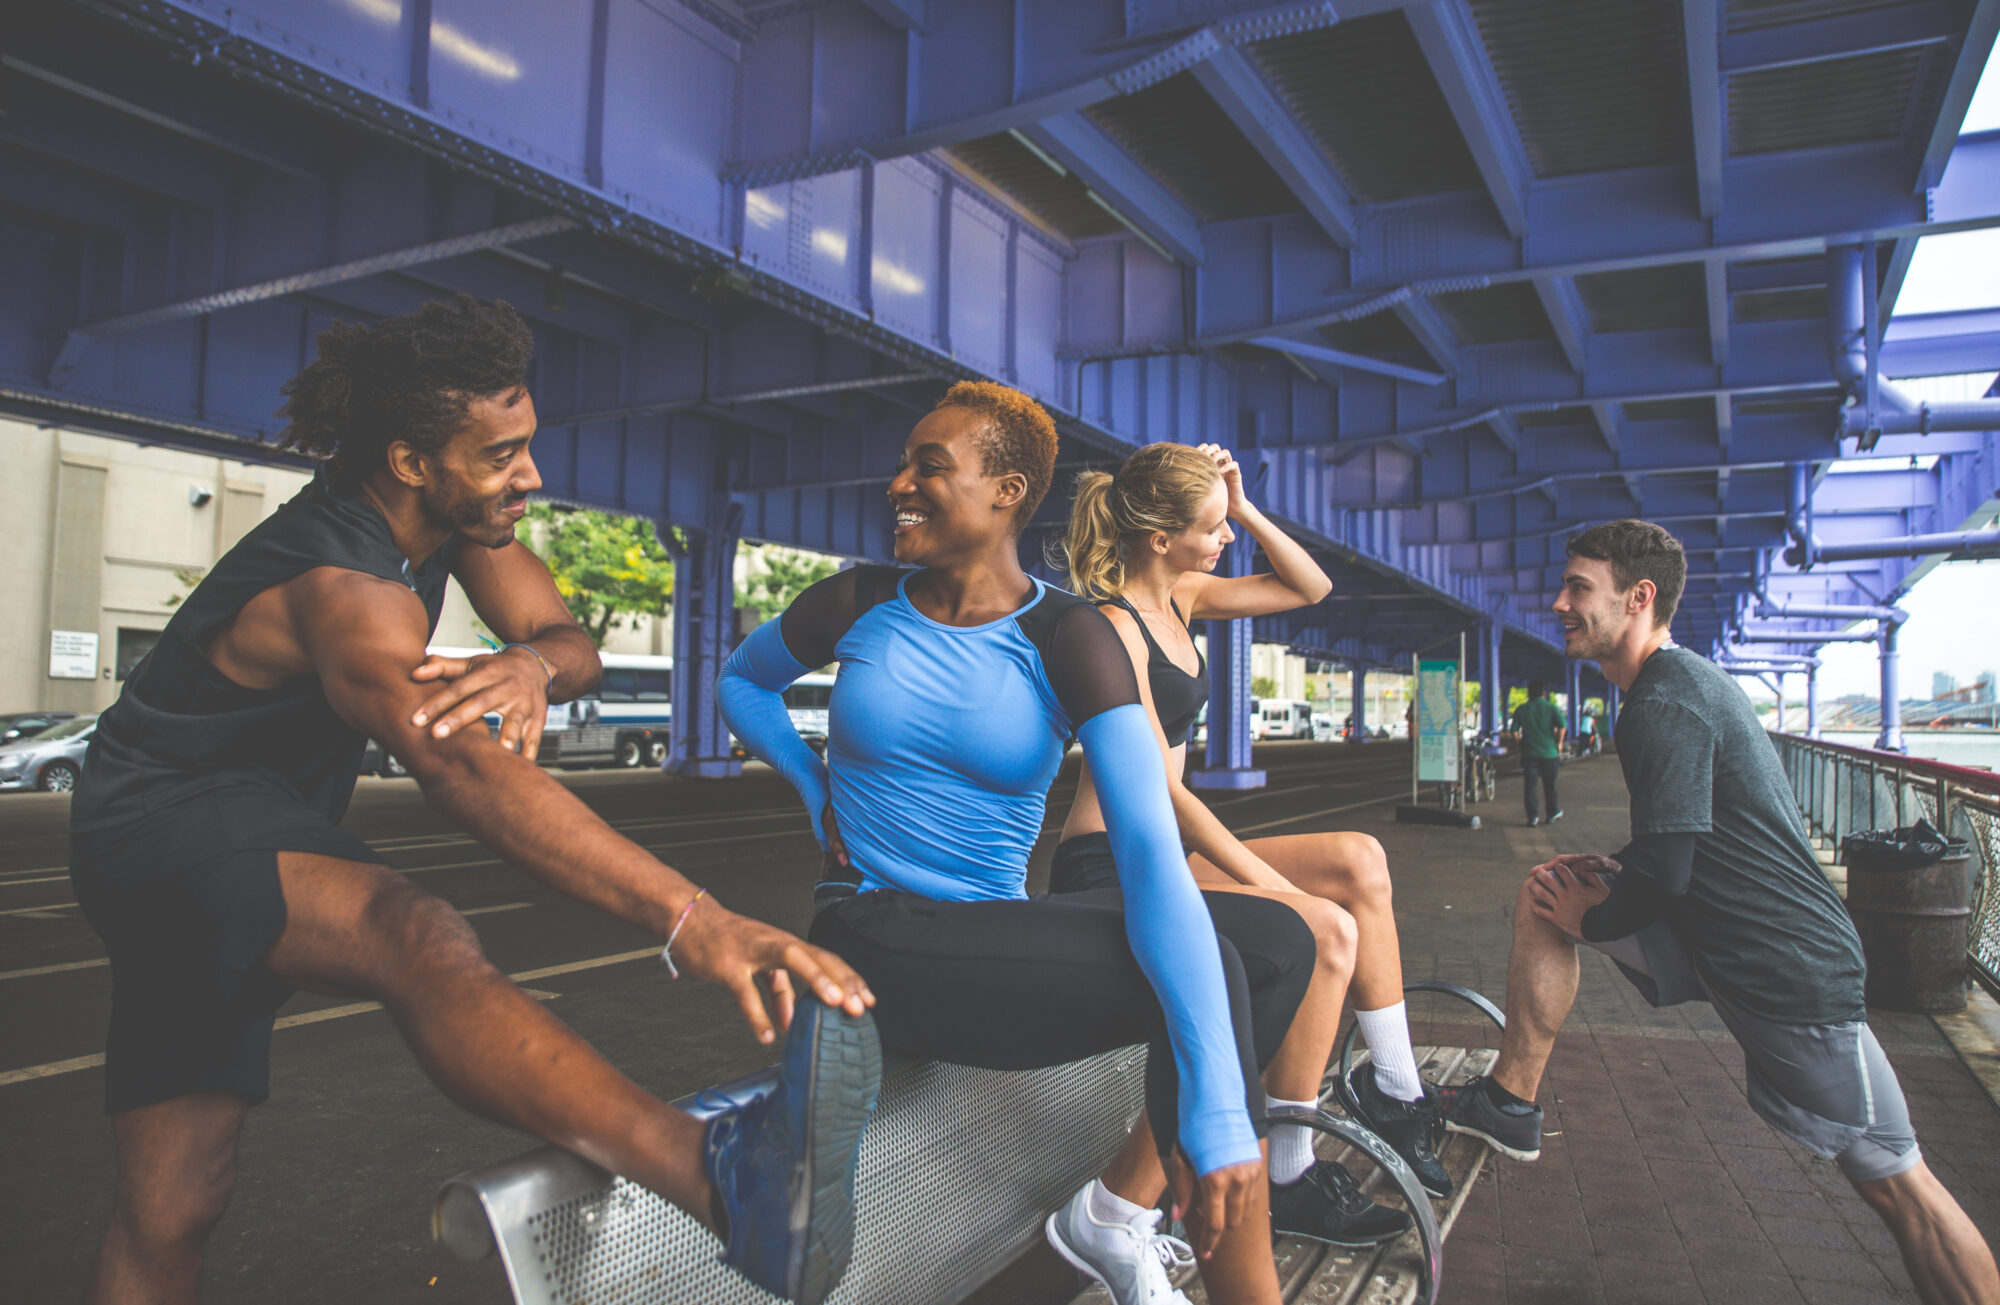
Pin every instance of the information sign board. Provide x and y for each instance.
(1439, 747)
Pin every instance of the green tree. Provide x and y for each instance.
(1263, 687)
(188, 577)
(777, 576)
(609, 569)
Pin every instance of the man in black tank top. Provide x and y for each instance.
(207, 853)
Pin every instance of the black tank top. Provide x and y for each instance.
(1177, 696)
(182, 727)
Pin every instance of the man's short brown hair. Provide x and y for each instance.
(1019, 436)
(1638, 550)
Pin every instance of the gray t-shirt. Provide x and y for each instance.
(1760, 920)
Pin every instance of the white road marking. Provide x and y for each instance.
(40, 910)
(75, 1063)
(1309, 815)
(32, 971)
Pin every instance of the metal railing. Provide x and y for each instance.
(1844, 790)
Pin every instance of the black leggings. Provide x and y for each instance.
(1029, 983)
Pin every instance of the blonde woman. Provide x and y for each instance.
(1142, 544)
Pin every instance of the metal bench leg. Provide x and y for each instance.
(1431, 1262)
(1478, 1000)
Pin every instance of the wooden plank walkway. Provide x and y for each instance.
(1310, 1273)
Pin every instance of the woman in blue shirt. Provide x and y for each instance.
(960, 686)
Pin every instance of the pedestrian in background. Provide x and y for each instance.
(1538, 726)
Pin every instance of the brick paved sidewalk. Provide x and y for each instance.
(1656, 1182)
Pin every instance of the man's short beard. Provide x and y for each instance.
(466, 515)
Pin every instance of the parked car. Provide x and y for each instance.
(17, 725)
(51, 760)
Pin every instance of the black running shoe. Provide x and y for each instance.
(1405, 1125)
(1514, 1131)
(1326, 1205)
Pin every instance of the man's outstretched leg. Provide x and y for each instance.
(358, 928)
(1542, 972)
(176, 1167)
(1947, 1258)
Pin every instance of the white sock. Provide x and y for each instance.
(1107, 1206)
(1291, 1144)
(1387, 1032)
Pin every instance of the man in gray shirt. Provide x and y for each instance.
(1717, 898)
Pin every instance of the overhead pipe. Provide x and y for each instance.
(1976, 543)
(1877, 407)
(1778, 634)
(1783, 609)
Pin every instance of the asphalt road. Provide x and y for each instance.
(337, 1169)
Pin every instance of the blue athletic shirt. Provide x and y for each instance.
(943, 741)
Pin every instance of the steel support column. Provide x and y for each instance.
(1891, 737)
(1226, 762)
(704, 634)
(1612, 698)
(1360, 734)
(1812, 702)
(1489, 676)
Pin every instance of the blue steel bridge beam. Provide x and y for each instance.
(1788, 208)
(1272, 131)
(1701, 30)
(1457, 57)
(1564, 306)
(980, 67)
(1080, 146)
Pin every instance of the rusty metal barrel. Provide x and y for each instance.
(1912, 920)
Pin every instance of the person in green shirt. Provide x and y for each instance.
(1538, 727)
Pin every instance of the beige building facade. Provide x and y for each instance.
(107, 534)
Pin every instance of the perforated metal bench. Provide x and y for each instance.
(569, 1233)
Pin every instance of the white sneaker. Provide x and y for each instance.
(1131, 1259)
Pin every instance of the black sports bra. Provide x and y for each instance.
(1177, 696)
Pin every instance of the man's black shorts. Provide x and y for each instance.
(187, 900)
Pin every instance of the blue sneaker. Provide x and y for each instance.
(783, 1165)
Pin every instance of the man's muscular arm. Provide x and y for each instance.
(362, 635)
(512, 592)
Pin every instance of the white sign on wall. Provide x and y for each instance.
(72, 654)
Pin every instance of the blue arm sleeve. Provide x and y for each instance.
(750, 691)
(1171, 935)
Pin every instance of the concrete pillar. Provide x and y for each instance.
(704, 634)
(1226, 759)
(1778, 683)
(1891, 738)
(1812, 703)
(1360, 734)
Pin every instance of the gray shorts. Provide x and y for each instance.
(1828, 1087)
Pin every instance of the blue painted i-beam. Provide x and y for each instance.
(763, 240)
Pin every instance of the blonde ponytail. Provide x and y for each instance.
(1160, 488)
(1093, 549)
